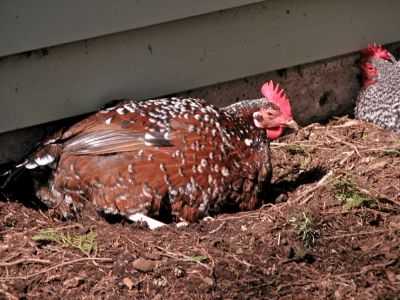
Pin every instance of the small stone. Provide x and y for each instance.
(160, 282)
(157, 297)
(208, 280)
(394, 225)
(392, 276)
(143, 265)
(128, 283)
(367, 160)
(182, 224)
(179, 272)
(337, 295)
(73, 282)
(281, 198)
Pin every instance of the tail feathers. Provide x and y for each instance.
(48, 156)
(45, 156)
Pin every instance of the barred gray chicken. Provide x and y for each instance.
(379, 100)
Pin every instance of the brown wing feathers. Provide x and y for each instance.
(156, 157)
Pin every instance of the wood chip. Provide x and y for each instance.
(73, 282)
(128, 283)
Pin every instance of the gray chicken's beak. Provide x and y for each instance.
(292, 124)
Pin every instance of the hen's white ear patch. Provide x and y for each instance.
(258, 118)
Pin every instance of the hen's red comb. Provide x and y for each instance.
(277, 96)
(375, 51)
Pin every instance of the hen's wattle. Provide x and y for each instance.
(379, 100)
(162, 157)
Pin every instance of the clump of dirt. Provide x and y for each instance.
(329, 229)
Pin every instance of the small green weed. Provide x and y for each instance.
(305, 228)
(390, 152)
(302, 153)
(84, 242)
(346, 191)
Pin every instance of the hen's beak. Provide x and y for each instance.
(292, 124)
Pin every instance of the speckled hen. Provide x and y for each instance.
(379, 100)
(165, 157)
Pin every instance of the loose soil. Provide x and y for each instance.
(329, 228)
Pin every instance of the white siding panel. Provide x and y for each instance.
(32, 24)
(171, 57)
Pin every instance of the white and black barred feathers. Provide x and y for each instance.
(379, 101)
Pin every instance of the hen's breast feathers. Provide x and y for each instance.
(183, 155)
(380, 102)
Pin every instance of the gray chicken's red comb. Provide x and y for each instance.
(374, 51)
(277, 96)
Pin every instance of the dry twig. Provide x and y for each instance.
(344, 142)
(218, 228)
(24, 260)
(179, 256)
(57, 266)
(360, 233)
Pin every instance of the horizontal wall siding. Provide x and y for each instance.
(77, 78)
(28, 25)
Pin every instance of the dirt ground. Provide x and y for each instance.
(329, 228)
